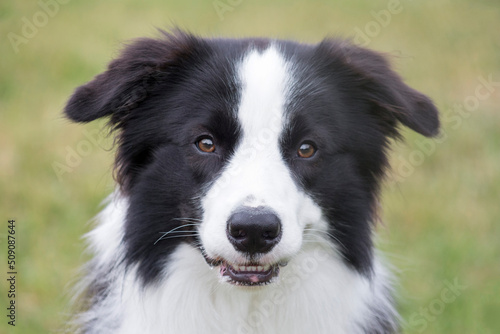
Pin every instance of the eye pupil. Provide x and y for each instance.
(306, 150)
(206, 145)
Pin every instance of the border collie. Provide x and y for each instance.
(248, 173)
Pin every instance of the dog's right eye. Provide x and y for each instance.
(205, 144)
(306, 150)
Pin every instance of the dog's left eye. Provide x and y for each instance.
(205, 144)
(306, 150)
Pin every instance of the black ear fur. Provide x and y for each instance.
(128, 78)
(390, 97)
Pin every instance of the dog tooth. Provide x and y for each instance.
(253, 268)
(259, 268)
(267, 266)
(243, 268)
(236, 267)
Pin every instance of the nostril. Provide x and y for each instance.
(254, 230)
(237, 233)
(271, 234)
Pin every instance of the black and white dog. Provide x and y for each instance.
(248, 175)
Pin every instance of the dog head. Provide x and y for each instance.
(250, 149)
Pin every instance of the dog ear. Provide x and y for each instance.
(390, 97)
(128, 78)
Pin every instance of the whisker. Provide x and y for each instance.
(180, 236)
(172, 230)
(320, 231)
(179, 231)
(328, 234)
(178, 227)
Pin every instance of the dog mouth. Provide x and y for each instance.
(249, 274)
(252, 274)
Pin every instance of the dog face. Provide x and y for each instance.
(250, 149)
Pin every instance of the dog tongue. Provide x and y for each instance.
(254, 279)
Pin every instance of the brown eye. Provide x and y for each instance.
(206, 144)
(306, 150)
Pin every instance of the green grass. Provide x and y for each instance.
(441, 223)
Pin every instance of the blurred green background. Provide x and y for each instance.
(440, 205)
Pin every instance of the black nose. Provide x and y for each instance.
(254, 230)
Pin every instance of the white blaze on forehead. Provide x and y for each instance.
(264, 81)
(263, 76)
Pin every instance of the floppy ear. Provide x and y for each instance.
(128, 78)
(390, 97)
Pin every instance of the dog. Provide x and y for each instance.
(248, 174)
